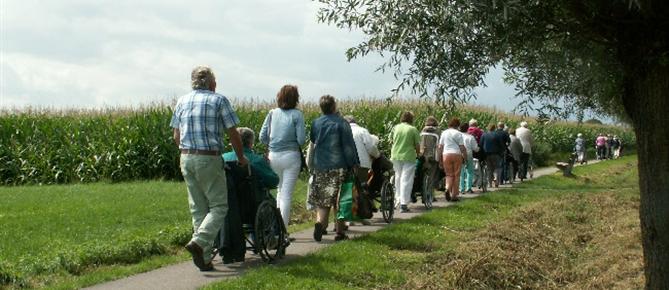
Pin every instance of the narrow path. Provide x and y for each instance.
(184, 276)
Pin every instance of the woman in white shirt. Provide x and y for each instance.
(451, 144)
(467, 172)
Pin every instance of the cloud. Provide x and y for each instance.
(80, 53)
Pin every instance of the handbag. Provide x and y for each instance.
(364, 209)
(345, 210)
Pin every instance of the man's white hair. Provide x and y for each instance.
(473, 122)
(523, 124)
(202, 77)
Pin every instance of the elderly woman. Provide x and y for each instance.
(405, 149)
(334, 157)
(284, 133)
(452, 146)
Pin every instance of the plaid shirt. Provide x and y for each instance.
(200, 117)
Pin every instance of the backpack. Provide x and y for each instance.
(428, 144)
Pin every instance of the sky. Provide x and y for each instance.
(93, 54)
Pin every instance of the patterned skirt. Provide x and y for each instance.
(325, 187)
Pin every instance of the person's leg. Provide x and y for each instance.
(408, 172)
(463, 178)
(524, 160)
(450, 170)
(197, 203)
(399, 174)
(491, 162)
(323, 216)
(290, 175)
(469, 170)
(457, 166)
(211, 176)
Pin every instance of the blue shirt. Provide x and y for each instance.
(201, 117)
(334, 144)
(283, 130)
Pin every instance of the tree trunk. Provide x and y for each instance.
(646, 102)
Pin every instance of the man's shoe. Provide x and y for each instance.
(207, 267)
(196, 252)
(470, 191)
(318, 232)
(404, 208)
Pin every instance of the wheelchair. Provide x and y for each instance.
(253, 222)
(381, 188)
(425, 181)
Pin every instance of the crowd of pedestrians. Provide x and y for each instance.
(338, 148)
(607, 146)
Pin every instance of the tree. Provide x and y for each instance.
(611, 56)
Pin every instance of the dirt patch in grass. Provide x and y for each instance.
(582, 241)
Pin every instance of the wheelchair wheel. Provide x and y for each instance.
(428, 191)
(270, 234)
(387, 201)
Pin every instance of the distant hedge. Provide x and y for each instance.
(46, 146)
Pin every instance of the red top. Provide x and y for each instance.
(476, 132)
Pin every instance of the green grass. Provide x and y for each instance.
(70, 236)
(395, 256)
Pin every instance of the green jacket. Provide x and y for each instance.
(259, 165)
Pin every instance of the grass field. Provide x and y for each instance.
(74, 235)
(550, 233)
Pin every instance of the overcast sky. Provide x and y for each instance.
(82, 53)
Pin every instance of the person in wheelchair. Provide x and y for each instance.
(259, 165)
(248, 187)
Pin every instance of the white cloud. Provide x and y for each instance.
(94, 53)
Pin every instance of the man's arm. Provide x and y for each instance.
(177, 136)
(236, 142)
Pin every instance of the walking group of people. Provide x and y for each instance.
(606, 146)
(454, 151)
(338, 148)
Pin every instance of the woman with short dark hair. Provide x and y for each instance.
(334, 156)
(283, 131)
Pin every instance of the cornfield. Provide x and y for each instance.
(51, 146)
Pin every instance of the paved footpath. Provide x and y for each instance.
(184, 276)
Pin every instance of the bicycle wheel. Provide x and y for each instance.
(428, 191)
(269, 237)
(387, 201)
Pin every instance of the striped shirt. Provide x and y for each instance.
(200, 117)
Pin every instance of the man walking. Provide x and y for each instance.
(527, 141)
(199, 120)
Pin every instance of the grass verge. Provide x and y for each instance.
(72, 236)
(550, 233)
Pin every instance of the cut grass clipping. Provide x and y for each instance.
(550, 233)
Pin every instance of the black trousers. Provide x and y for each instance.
(524, 161)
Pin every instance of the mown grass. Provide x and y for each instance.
(553, 232)
(71, 236)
